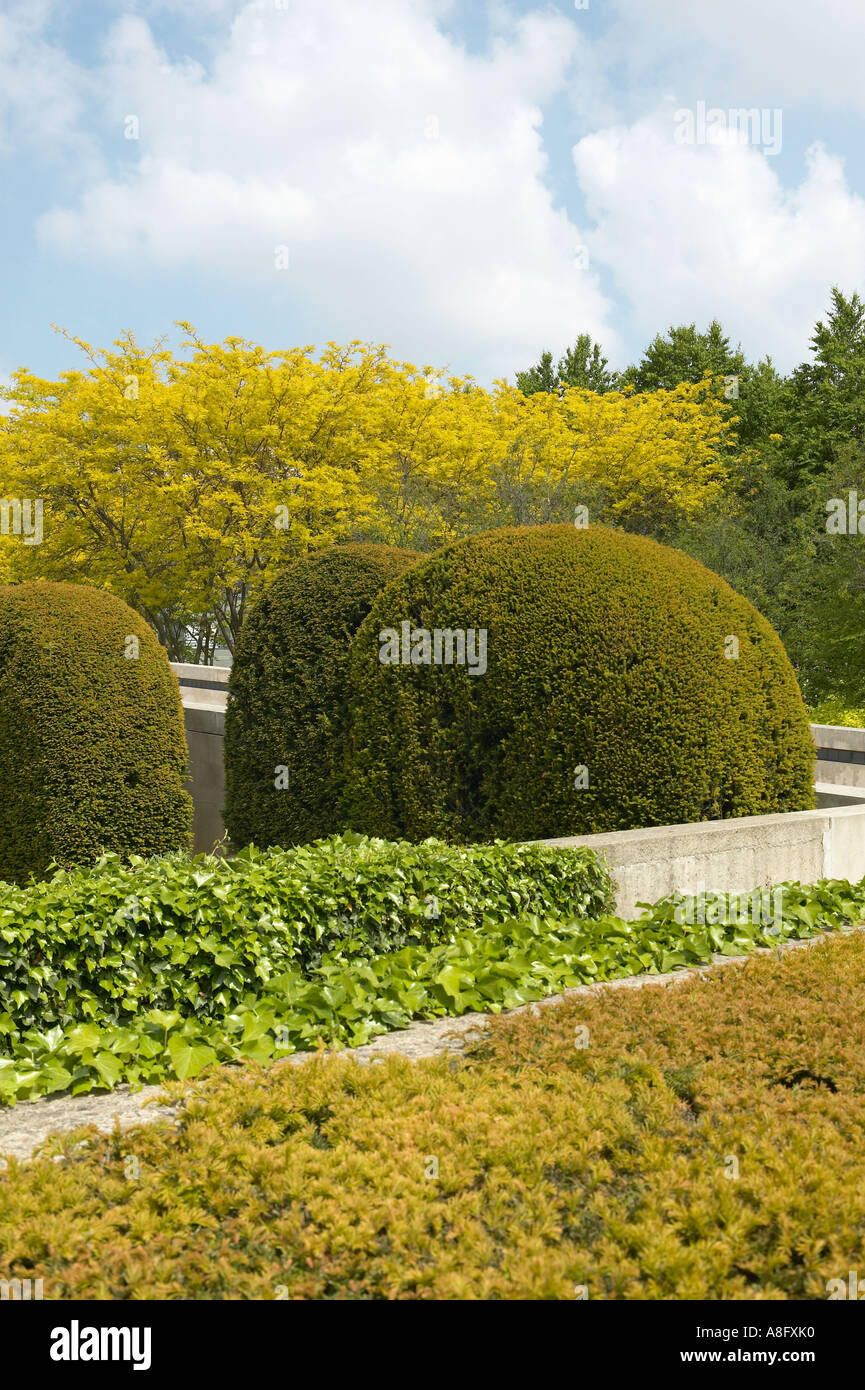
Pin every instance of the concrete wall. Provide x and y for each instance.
(721, 856)
(748, 852)
(840, 754)
(735, 856)
(204, 693)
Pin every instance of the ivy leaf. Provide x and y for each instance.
(189, 1059)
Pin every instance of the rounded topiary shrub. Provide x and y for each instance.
(287, 694)
(92, 748)
(606, 682)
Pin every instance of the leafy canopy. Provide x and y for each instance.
(183, 483)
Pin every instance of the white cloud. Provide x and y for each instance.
(406, 176)
(192, 9)
(41, 89)
(769, 53)
(694, 232)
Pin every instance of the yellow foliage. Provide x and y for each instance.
(183, 483)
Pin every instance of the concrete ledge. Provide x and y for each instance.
(841, 774)
(202, 715)
(838, 736)
(840, 754)
(204, 704)
(837, 794)
(188, 673)
(732, 856)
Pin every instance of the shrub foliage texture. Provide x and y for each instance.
(92, 748)
(626, 685)
(288, 694)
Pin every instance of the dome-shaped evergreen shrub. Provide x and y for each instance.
(623, 685)
(287, 694)
(92, 748)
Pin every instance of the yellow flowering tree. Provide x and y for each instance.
(643, 462)
(179, 483)
(182, 482)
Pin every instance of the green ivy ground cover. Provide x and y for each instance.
(197, 935)
(195, 977)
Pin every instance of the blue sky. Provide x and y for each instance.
(469, 183)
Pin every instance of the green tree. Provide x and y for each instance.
(826, 397)
(542, 377)
(762, 407)
(683, 354)
(831, 622)
(755, 391)
(582, 365)
(807, 576)
(761, 539)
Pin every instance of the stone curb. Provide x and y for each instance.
(23, 1127)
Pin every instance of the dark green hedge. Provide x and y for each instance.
(92, 748)
(287, 694)
(605, 651)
